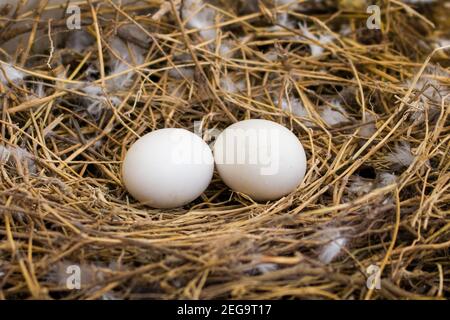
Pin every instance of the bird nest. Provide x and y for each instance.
(370, 106)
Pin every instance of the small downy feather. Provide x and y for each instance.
(386, 178)
(316, 48)
(429, 83)
(333, 248)
(419, 1)
(4, 153)
(283, 17)
(130, 55)
(334, 115)
(17, 154)
(96, 101)
(92, 89)
(60, 273)
(443, 42)
(264, 268)
(228, 48)
(417, 112)
(109, 296)
(182, 72)
(368, 130)
(283, 21)
(199, 16)
(271, 56)
(9, 73)
(345, 30)
(294, 106)
(359, 186)
(225, 49)
(37, 91)
(228, 84)
(292, 4)
(134, 34)
(401, 155)
(96, 107)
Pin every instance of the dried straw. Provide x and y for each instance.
(371, 108)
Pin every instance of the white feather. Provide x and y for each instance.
(401, 155)
(4, 153)
(109, 296)
(359, 186)
(227, 49)
(264, 268)
(229, 85)
(294, 106)
(416, 111)
(345, 30)
(89, 273)
(283, 21)
(9, 73)
(200, 17)
(92, 89)
(334, 115)
(97, 101)
(271, 55)
(322, 40)
(419, 1)
(17, 154)
(134, 32)
(182, 72)
(39, 90)
(130, 55)
(430, 83)
(386, 178)
(333, 248)
(369, 129)
(443, 42)
(290, 3)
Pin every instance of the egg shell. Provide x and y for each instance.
(260, 158)
(167, 168)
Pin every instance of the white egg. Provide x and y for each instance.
(260, 158)
(168, 168)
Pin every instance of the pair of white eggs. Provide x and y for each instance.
(168, 168)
